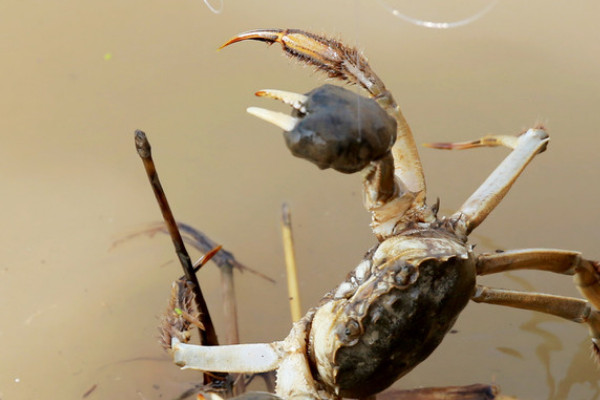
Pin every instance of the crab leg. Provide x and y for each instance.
(494, 188)
(575, 310)
(486, 141)
(251, 358)
(385, 198)
(586, 272)
(346, 63)
(288, 357)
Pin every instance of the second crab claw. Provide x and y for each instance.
(332, 127)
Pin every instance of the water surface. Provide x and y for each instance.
(78, 77)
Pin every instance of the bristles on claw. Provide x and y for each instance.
(328, 55)
(180, 315)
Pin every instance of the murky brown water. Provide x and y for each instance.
(78, 77)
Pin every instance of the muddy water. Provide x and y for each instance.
(79, 313)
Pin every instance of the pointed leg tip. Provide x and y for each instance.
(233, 40)
(254, 111)
(263, 35)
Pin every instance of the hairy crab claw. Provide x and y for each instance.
(394, 184)
(332, 127)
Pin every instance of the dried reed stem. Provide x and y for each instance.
(290, 263)
(208, 336)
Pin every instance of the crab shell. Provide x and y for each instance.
(390, 313)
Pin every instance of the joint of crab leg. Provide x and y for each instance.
(593, 322)
(587, 279)
(385, 197)
(248, 358)
(478, 206)
(294, 377)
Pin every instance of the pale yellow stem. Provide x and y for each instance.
(290, 263)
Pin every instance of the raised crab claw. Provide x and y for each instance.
(397, 305)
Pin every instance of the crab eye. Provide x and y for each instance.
(350, 332)
(406, 274)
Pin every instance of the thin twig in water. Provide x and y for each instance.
(226, 263)
(208, 336)
(90, 391)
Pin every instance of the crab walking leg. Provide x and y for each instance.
(494, 188)
(575, 310)
(559, 261)
(346, 63)
(288, 357)
(486, 141)
(586, 272)
(250, 358)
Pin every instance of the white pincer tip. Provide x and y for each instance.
(284, 121)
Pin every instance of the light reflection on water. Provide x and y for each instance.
(79, 313)
(399, 9)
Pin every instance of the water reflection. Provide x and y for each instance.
(575, 375)
(549, 344)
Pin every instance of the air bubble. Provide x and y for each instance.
(216, 10)
(435, 9)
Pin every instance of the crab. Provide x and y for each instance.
(396, 306)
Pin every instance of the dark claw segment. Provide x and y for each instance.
(341, 130)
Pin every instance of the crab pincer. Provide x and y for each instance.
(332, 127)
(346, 63)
